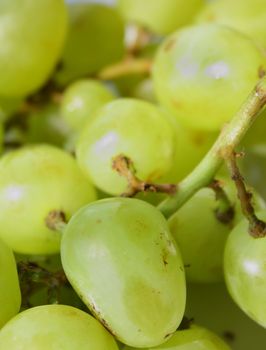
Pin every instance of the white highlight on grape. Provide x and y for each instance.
(252, 267)
(76, 103)
(109, 140)
(218, 70)
(14, 192)
(187, 67)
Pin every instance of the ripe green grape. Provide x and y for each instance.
(32, 36)
(203, 84)
(189, 148)
(212, 307)
(81, 100)
(121, 259)
(248, 16)
(34, 181)
(10, 297)
(194, 338)
(95, 39)
(46, 125)
(201, 236)
(245, 271)
(55, 327)
(160, 16)
(131, 127)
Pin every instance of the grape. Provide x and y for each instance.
(32, 35)
(95, 39)
(204, 84)
(197, 222)
(189, 148)
(10, 297)
(211, 306)
(245, 271)
(191, 339)
(121, 259)
(160, 16)
(55, 327)
(131, 127)
(46, 125)
(81, 100)
(34, 181)
(248, 16)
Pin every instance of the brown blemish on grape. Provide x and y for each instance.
(99, 221)
(98, 315)
(170, 44)
(197, 138)
(261, 72)
(164, 257)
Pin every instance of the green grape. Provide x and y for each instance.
(204, 84)
(245, 271)
(194, 338)
(212, 307)
(248, 16)
(189, 148)
(10, 297)
(121, 259)
(160, 16)
(144, 90)
(47, 126)
(197, 222)
(95, 39)
(55, 327)
(131, 127)
(33, 182)
(32, 35)
(81, 100)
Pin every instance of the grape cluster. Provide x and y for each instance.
(120, 226)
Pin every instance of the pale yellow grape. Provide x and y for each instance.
(34, 181)
(54, 327)
(121, 259)
(202, 74)
(95, 39)
(10, 297)
(160, 16)
(134, 128)
(81, 100)
(247, 16)
(32, 36)
(194, 338)
(245, 271)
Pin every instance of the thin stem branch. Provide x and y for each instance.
(224, 211)
(257, 228)
(126, 67)
(124, 166)
(228, 139)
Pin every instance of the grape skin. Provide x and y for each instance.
(95, 39)
(34, 181)
(55, 327)
(81, 100)
(10, 298)
(248, 16)
(191, 339)
(131, 127)
(245, 271)
(203, 84)
(160, 16)
(120, 257)
(32, 36)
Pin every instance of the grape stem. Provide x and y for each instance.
(124, 166)
(56, 221)
(126, 67)
(229, 138)
(257, 228)
(224, 211)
